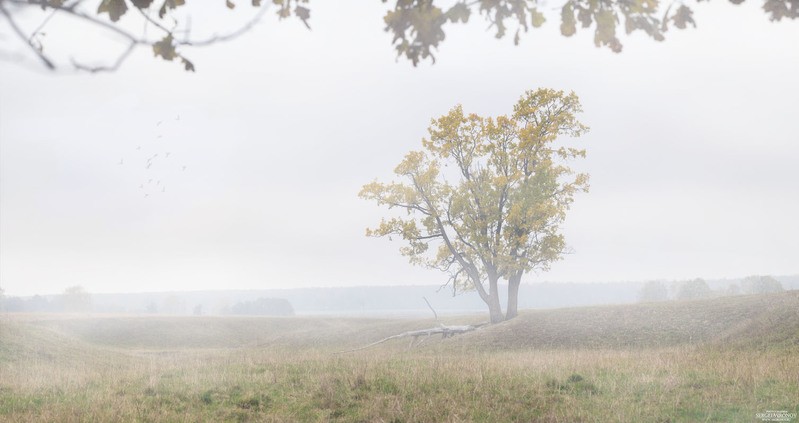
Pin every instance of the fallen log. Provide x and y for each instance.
(443, 330)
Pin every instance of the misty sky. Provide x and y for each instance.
(692, 152)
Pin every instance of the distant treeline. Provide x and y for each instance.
(385, 300)
(76, 300)
(263, 307)
(699, 288)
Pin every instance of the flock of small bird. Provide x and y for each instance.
(159, 185)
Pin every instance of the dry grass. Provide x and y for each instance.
(210, 369)
(741, 321)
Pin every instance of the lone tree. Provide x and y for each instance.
(484, 200)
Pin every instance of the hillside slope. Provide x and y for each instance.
(743, 321)
(178, 332)
(752, 320)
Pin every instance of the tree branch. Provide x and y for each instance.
(95, 69)
(230, 36)
(445, 331)
(431, 308)
(41, 25)
(469, 267)
(423, 237)
(409, 207)
(133, 40)
(71, 10)
(149, 19)
(17, 30)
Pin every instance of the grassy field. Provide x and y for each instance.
(716, 360)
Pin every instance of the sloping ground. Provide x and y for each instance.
(165, 332)
(745, 321)
(72, 369)
(17, 340)
(26, 345)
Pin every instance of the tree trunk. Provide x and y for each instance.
(494, 307)
(513, 296)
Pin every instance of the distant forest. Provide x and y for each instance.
(361, 300)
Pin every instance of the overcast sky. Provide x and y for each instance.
(692, 152)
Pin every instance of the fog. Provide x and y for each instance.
(692, 152)
(184, 200)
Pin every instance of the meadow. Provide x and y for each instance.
(722, 360)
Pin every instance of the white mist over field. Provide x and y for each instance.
(190, 246)
(245, 174)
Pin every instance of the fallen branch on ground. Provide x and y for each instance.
(444, 331)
